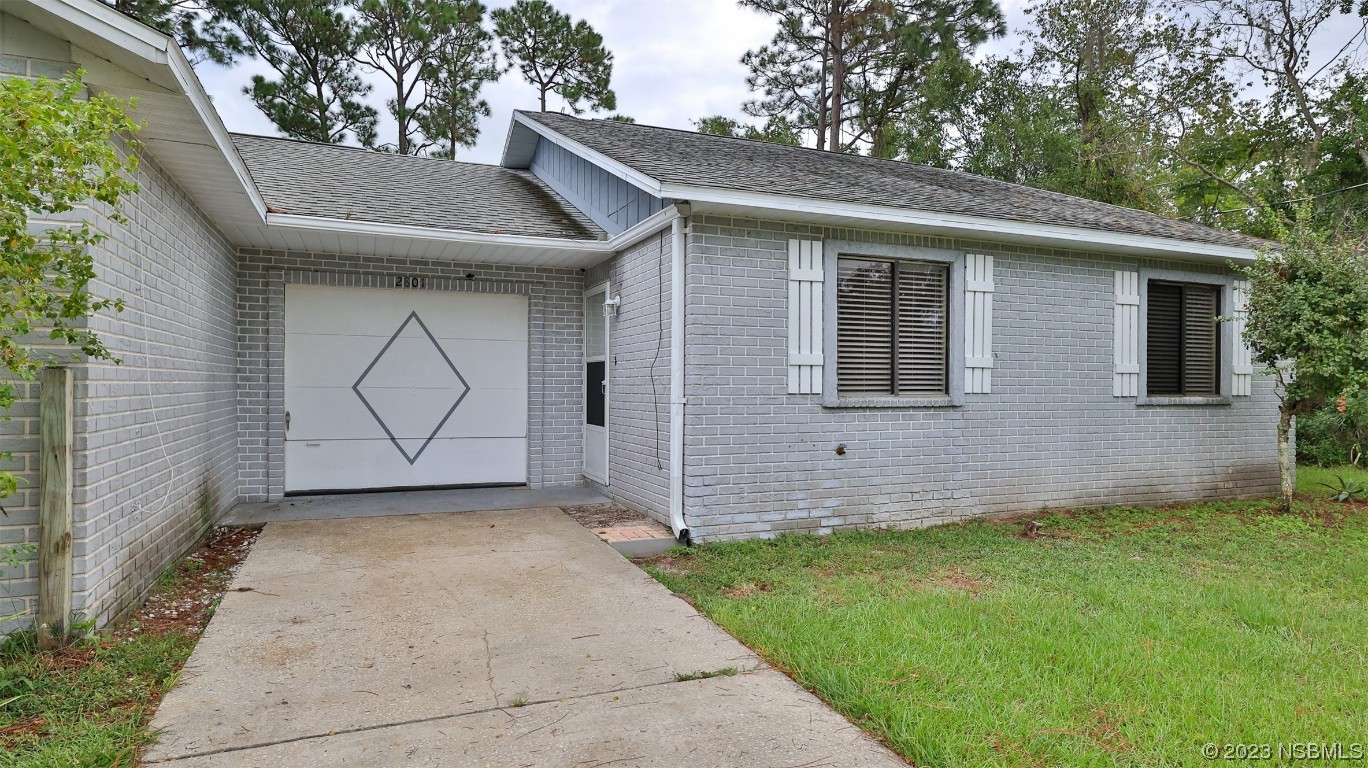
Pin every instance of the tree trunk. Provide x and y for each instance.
(401, 117)
(543, 99)
(1285, 464)
(837, 32)
(822, 102)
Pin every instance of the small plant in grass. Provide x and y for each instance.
(1346, 489)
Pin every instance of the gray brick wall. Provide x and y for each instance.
(155, 459)
(639, 384)
(761, 461)
(19, 524)
(156, 436)
(555, 331)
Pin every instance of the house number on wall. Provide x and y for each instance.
(410, 282)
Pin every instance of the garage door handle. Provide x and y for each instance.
(287, 421)
(603, 387)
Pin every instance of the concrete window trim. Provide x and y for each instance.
(1226, 283)
(832, 250)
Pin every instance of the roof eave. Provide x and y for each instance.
(786, 208)
(353, 226)
(149, 53)
(298, 231)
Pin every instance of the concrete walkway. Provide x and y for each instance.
(512, 638)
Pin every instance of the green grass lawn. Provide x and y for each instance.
(90, 704)
(1310, 480)
(1119, 637)
(85, 706)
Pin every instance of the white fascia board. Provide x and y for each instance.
(598, 158)
(352, 226)
(100, 19)
(152, 46)
(643, 229)
(961, 225)
(194, 90)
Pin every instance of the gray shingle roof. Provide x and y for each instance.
(308, 179)
(673, 156)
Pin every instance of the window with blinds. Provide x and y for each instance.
(892, 327)
(1182, 349)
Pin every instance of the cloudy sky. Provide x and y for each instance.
(674, 61)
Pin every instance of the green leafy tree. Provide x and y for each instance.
(58, 153)
(556, 55)
(203, 28)
(463, 62)
(905, 50)
(1131, 77)
(776, 130)
(1308, 323)
(1293, 130)
(309, 43)
(994, 119)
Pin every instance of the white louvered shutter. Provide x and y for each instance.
(1126, 370)
(978, 323)
(1242, 357)
(805, 317)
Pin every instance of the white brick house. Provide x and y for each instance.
(736, 338)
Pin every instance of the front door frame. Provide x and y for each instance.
(605, 289)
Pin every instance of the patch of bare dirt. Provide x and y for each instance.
(956, 579)
(19, 730)
(185, 599)
(668, 563)
(609, 515)
(742, 591)
(1314, 509)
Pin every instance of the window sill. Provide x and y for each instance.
(1159, 400)
(892, 401)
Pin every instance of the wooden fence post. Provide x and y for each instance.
(54, 506)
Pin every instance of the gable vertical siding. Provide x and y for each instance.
(612, 202)
(760, 461)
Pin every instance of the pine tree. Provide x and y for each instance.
(201, 27)
(460, 66)
(557, 56)
(410, 42)
(847, 71)
(310, 44)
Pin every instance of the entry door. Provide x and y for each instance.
(403, 388)
(596, 385)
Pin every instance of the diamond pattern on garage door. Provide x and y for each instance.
(412, 417)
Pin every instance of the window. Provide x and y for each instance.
(1183, 340)
(892, 327)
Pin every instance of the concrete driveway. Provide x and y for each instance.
(510, 638)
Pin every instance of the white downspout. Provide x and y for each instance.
(677, 400)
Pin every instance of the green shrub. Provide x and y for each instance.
(1329, 437)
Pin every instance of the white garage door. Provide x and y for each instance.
(403, 389)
